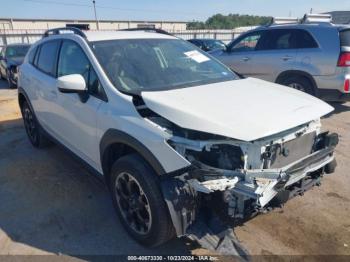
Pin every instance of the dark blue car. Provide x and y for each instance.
(11, 57)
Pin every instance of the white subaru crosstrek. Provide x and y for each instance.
(185, 146)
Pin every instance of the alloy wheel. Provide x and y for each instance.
(133, 203)
(297, 86)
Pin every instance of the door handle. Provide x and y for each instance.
(246, 59)
(286, 58)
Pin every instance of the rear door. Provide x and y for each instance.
(240, 53)
(43, 82)
(275, 53)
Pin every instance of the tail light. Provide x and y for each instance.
(344, 59)
(347, 86)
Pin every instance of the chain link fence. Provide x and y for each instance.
(32, 35)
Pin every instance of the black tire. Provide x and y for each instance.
(330, 167)
(158, 227)
(34, 131)
(9, 82)
(300, 83)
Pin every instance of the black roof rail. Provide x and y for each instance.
(147, 29)
(58, 31)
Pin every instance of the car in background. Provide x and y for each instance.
(312, 55)
(11, 57)
(208, 44)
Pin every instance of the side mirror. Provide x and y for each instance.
(2, 57)
(74, 83)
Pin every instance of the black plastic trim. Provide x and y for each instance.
(333, 95)
(113, 136)
(288, 73)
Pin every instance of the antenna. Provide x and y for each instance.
(97, 24)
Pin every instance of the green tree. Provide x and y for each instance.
(230, 21)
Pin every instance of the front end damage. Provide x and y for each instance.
(230, 181)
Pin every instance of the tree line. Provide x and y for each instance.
(230, 21)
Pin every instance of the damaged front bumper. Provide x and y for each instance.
(236, 196)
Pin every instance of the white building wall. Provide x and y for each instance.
(33, 24)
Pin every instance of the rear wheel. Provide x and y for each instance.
(299, 83)
(139, 202)
(35, 133)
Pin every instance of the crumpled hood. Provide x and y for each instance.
(245, 109)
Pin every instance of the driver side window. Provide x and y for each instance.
(72, 60)
(247, 43)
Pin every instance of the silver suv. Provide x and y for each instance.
(312, 56)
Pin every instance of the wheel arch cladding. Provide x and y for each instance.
(115, 144)
(23, 97)
(284, 75)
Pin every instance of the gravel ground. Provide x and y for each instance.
(50, 205)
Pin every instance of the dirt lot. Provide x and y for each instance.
(49, 204)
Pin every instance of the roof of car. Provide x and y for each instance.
(300, 25)
(113, 35)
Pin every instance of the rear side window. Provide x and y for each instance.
(277, 39)
(31, 55)
(304, 39)
(47, 57)
(344, 38)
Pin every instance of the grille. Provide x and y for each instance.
(292, 150)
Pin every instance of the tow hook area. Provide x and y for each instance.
(194, 220)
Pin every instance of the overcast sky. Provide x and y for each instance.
(186, 10)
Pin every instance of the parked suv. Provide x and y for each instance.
(181, 141)
(11, 57)
(312, 56)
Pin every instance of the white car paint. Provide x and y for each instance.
(81, 126)
(246, 109)
(73, 82)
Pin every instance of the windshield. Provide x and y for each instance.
(135, 65)
(214, 44)
(16, 51)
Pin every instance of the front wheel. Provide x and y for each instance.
(139, 202)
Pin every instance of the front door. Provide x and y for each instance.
(240, 53)
(77, 121)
